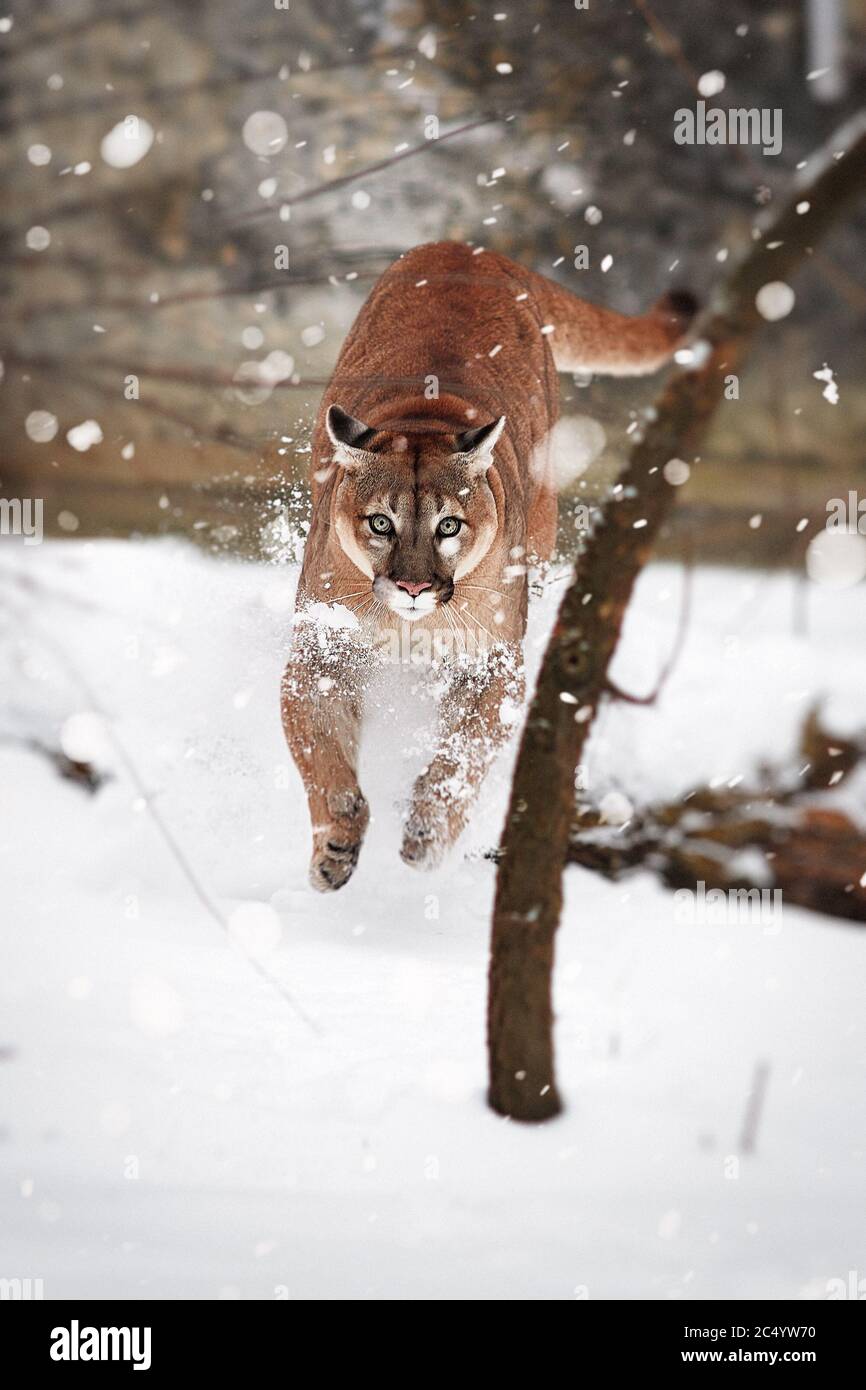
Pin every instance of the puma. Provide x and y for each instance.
(433, 493)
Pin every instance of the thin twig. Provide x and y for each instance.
(675, 652)
(127, 306)
(70, 769)
(754, 1107)
(254, 214)
(170, 840)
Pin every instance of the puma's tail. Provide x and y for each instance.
(587, 338)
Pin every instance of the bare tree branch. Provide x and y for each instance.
(62, 33)
(169, 301)
(816, 852)
(165, 93)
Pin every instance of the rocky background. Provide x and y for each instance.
(162, 161)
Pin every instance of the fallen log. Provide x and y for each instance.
(812, 853)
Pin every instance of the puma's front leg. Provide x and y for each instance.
(474, 724)
(322, 706)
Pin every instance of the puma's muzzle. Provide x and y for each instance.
(412, 600)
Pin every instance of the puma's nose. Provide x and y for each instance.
(413, 589)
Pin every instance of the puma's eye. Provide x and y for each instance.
(449, 526)
(380, 524)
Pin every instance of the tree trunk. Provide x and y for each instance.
(573, 674)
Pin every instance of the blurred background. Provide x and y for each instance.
(199, 196)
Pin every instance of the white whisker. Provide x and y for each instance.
(494, 607)
(482, 588)
(470, 614)
(471, 634)
(356, 593)
(359, 603)
(451, 623)
(485, 588)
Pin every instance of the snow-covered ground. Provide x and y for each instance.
(295, 1108)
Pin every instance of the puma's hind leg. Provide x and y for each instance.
(321, 708)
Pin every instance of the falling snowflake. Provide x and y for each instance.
(774, 301)
(41, 426)
(676, 472)
(256, 928)
(265, 133)
(711, 83)
(616, 809)
(155, 1007)
(836, 558)
(38, 239)
(82, 437)
(127, 142)
(831, 390)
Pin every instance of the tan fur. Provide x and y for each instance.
(449, 341)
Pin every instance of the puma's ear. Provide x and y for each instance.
(347, 435)
(477, 445)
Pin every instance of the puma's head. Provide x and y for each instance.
(414, 511)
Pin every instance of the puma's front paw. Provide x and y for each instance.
(431, 828)
(423, 844)
(336, 846)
